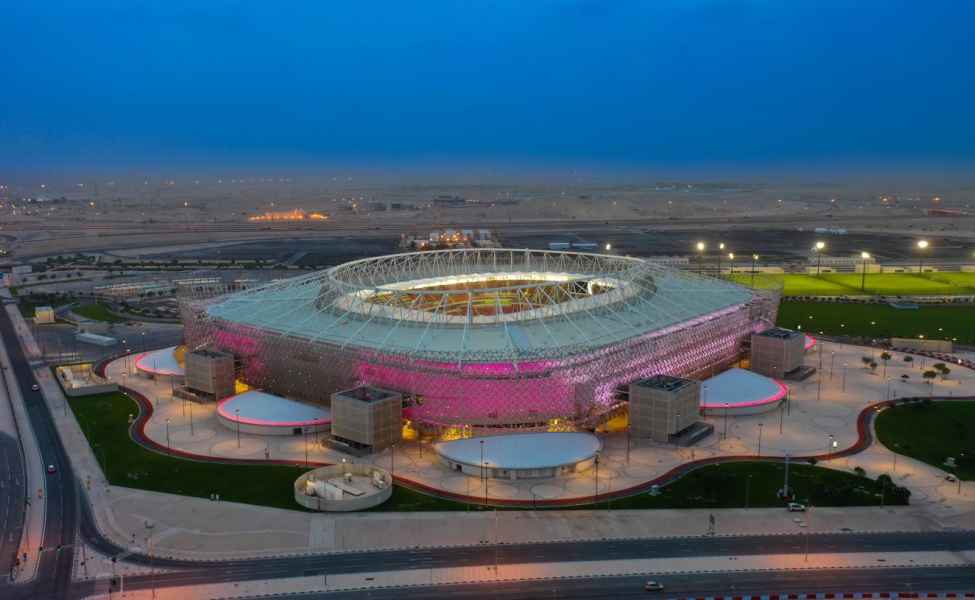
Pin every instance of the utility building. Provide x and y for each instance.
(210, 373)
(777, 351)
(366, 419)
(663, 406)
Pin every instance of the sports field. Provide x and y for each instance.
(880, 320)
(883, 284)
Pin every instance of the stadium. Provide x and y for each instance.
(483, 337)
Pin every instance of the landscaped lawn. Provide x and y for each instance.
(880, 320)
(97, 312)
(931, 432)
(886, 284)
(725, 486)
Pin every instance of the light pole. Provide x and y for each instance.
(819, 255)
(168, 447)
(731, 262)
(761, 426)
(701, 246)
(922, 245)
(725, 420)
(830, 444)
(754, 260)
(863, 272)
(237, 413)
(191, 422)
(844, 375)
(483, 474)
(595, 488)
(720, 250)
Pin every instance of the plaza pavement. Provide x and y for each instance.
(199, 528)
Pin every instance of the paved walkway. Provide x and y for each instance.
(199, 528)
(820, 420)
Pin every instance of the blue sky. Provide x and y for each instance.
(681, 84)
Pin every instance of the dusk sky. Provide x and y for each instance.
(196, 85)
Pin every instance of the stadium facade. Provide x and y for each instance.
(483, 337)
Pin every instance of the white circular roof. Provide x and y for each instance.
(255, 407)
(522, 450)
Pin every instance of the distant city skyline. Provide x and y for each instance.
(724, 88)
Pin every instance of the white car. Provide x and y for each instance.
(35, 387)
(653, 586)
(796, 507)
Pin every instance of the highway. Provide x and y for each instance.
(66, 515)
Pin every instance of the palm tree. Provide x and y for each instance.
(885, 356)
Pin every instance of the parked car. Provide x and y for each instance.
(951, 478)
(796, 507)
(653, 586)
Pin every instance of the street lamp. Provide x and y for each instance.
(237, 412)
(731, 259)
(168, 447)
(819, 254)
(761, 426)
(863, 274)
(922, 245)
(720, 251)
(701, 246)
(754, 260)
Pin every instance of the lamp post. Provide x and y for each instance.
(761, 426)
(922, 245)
(819, 255)
(191, 422)
(595, 489)
(844, 375)
(483, 474)
(701, 246)
(725, 420)
(830, 444)
(863, 271)
(731, 262)
(237, 413)
(754, 260)
(169, 449)
(720, 251)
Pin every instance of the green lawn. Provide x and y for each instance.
(931, 432)
(724, 486)
(97, 312)
(880, 320)
(887, 284)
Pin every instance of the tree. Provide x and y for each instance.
(885, 356)
(866, 360)
(944, 373)
(908, 359)
(929, 375)
(873, 366)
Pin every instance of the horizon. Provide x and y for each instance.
(713, 89)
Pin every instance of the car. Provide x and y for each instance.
(653, 586)
(795, 507)
(52, 469)
(951, 478)
(35, 387)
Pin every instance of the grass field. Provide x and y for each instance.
(880, 320)
(97, 312)
(886, 284)
(931, 432)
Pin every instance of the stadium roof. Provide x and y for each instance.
(522, 450)
(339, 306)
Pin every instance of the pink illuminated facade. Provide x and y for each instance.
(483, 337)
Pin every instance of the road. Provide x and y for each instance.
(11, 500)
(53, 578)
(65, 514)
(691, 585)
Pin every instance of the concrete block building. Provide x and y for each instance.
(777, 351)
(366, 419)
(210, 373)
(663, 406)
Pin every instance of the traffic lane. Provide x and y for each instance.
(697, 584)
(11, 503)
(553, 552)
